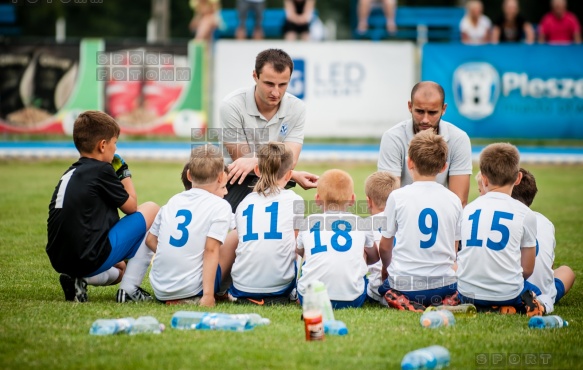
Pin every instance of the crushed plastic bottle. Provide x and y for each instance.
(335, 327)
(191, 320)
(433, 357)
(436, 319)
(111, 326)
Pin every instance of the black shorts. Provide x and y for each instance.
(294, 27)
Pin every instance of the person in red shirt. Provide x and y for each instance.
(559, 25)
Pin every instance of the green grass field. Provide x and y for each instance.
(38, 329)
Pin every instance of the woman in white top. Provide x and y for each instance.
(475, 26)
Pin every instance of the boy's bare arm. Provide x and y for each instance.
(372, 255)
(131, 205)
(527, 258)
(152, 242)
(209, 270)
(386, 253)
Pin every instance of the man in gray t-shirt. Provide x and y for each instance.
(257, 115)
(427, 106)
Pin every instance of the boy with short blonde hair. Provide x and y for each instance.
(333, 245)
(498, 240)
(377, 188)
(424, 219)
(188, 233)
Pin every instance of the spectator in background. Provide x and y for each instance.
(298, 14)
(243, 7)
(475, 26)
(206, 18)
(364, 7)
(559, 26)
(512, 26)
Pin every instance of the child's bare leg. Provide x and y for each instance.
(566, 275)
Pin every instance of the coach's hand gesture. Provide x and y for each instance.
(240, 168)
(305, 179)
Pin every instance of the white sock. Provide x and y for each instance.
(105, 278)
(137, 268)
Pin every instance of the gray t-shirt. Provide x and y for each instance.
(395, 146)
(242, 123)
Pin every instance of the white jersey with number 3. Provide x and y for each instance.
(543, 274)
(424, 218)
(333, 246)
(266, 252)
(494, 229)
(182, 227)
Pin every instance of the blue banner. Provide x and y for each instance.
(510, 91)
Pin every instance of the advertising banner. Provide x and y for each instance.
(351, 88)
(148, 89)
(510, 91)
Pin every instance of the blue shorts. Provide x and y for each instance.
(125, 238)
(337, 305)
(510, 302)
(284, 292)
(425, 297)
(217, 286)
(560, 290)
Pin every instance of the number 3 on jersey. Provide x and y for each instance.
(273, 233)
(182, 227)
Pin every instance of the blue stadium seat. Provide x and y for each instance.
(416, 23)
(273, 20)
(8, 20)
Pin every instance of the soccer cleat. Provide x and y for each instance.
(75, 289)
(139, 295)
(398, 300)
(265, 301)
(532, 305)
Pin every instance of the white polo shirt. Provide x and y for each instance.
(242, 123)
(395, 146)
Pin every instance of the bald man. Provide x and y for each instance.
(427, 106)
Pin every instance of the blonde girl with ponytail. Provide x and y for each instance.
(267, 221)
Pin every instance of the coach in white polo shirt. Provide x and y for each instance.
(254, 116)
(427, 106)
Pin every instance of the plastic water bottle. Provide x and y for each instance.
(321, 296)
(111, 326)
(547, 322)
(436, 319)
(252, 319)
(335, 327)
(462, 310)
(312, 313)
(217, 321)
(434, 357)
(146, 324)
(186, 320)
(190, 320)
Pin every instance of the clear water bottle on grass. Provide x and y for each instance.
(547, 322)
(217, 321)
(434, 357)
(252, 319)
(437, 319)
(146, 324)
(186, 320)
(111, 326)
(335, 327)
